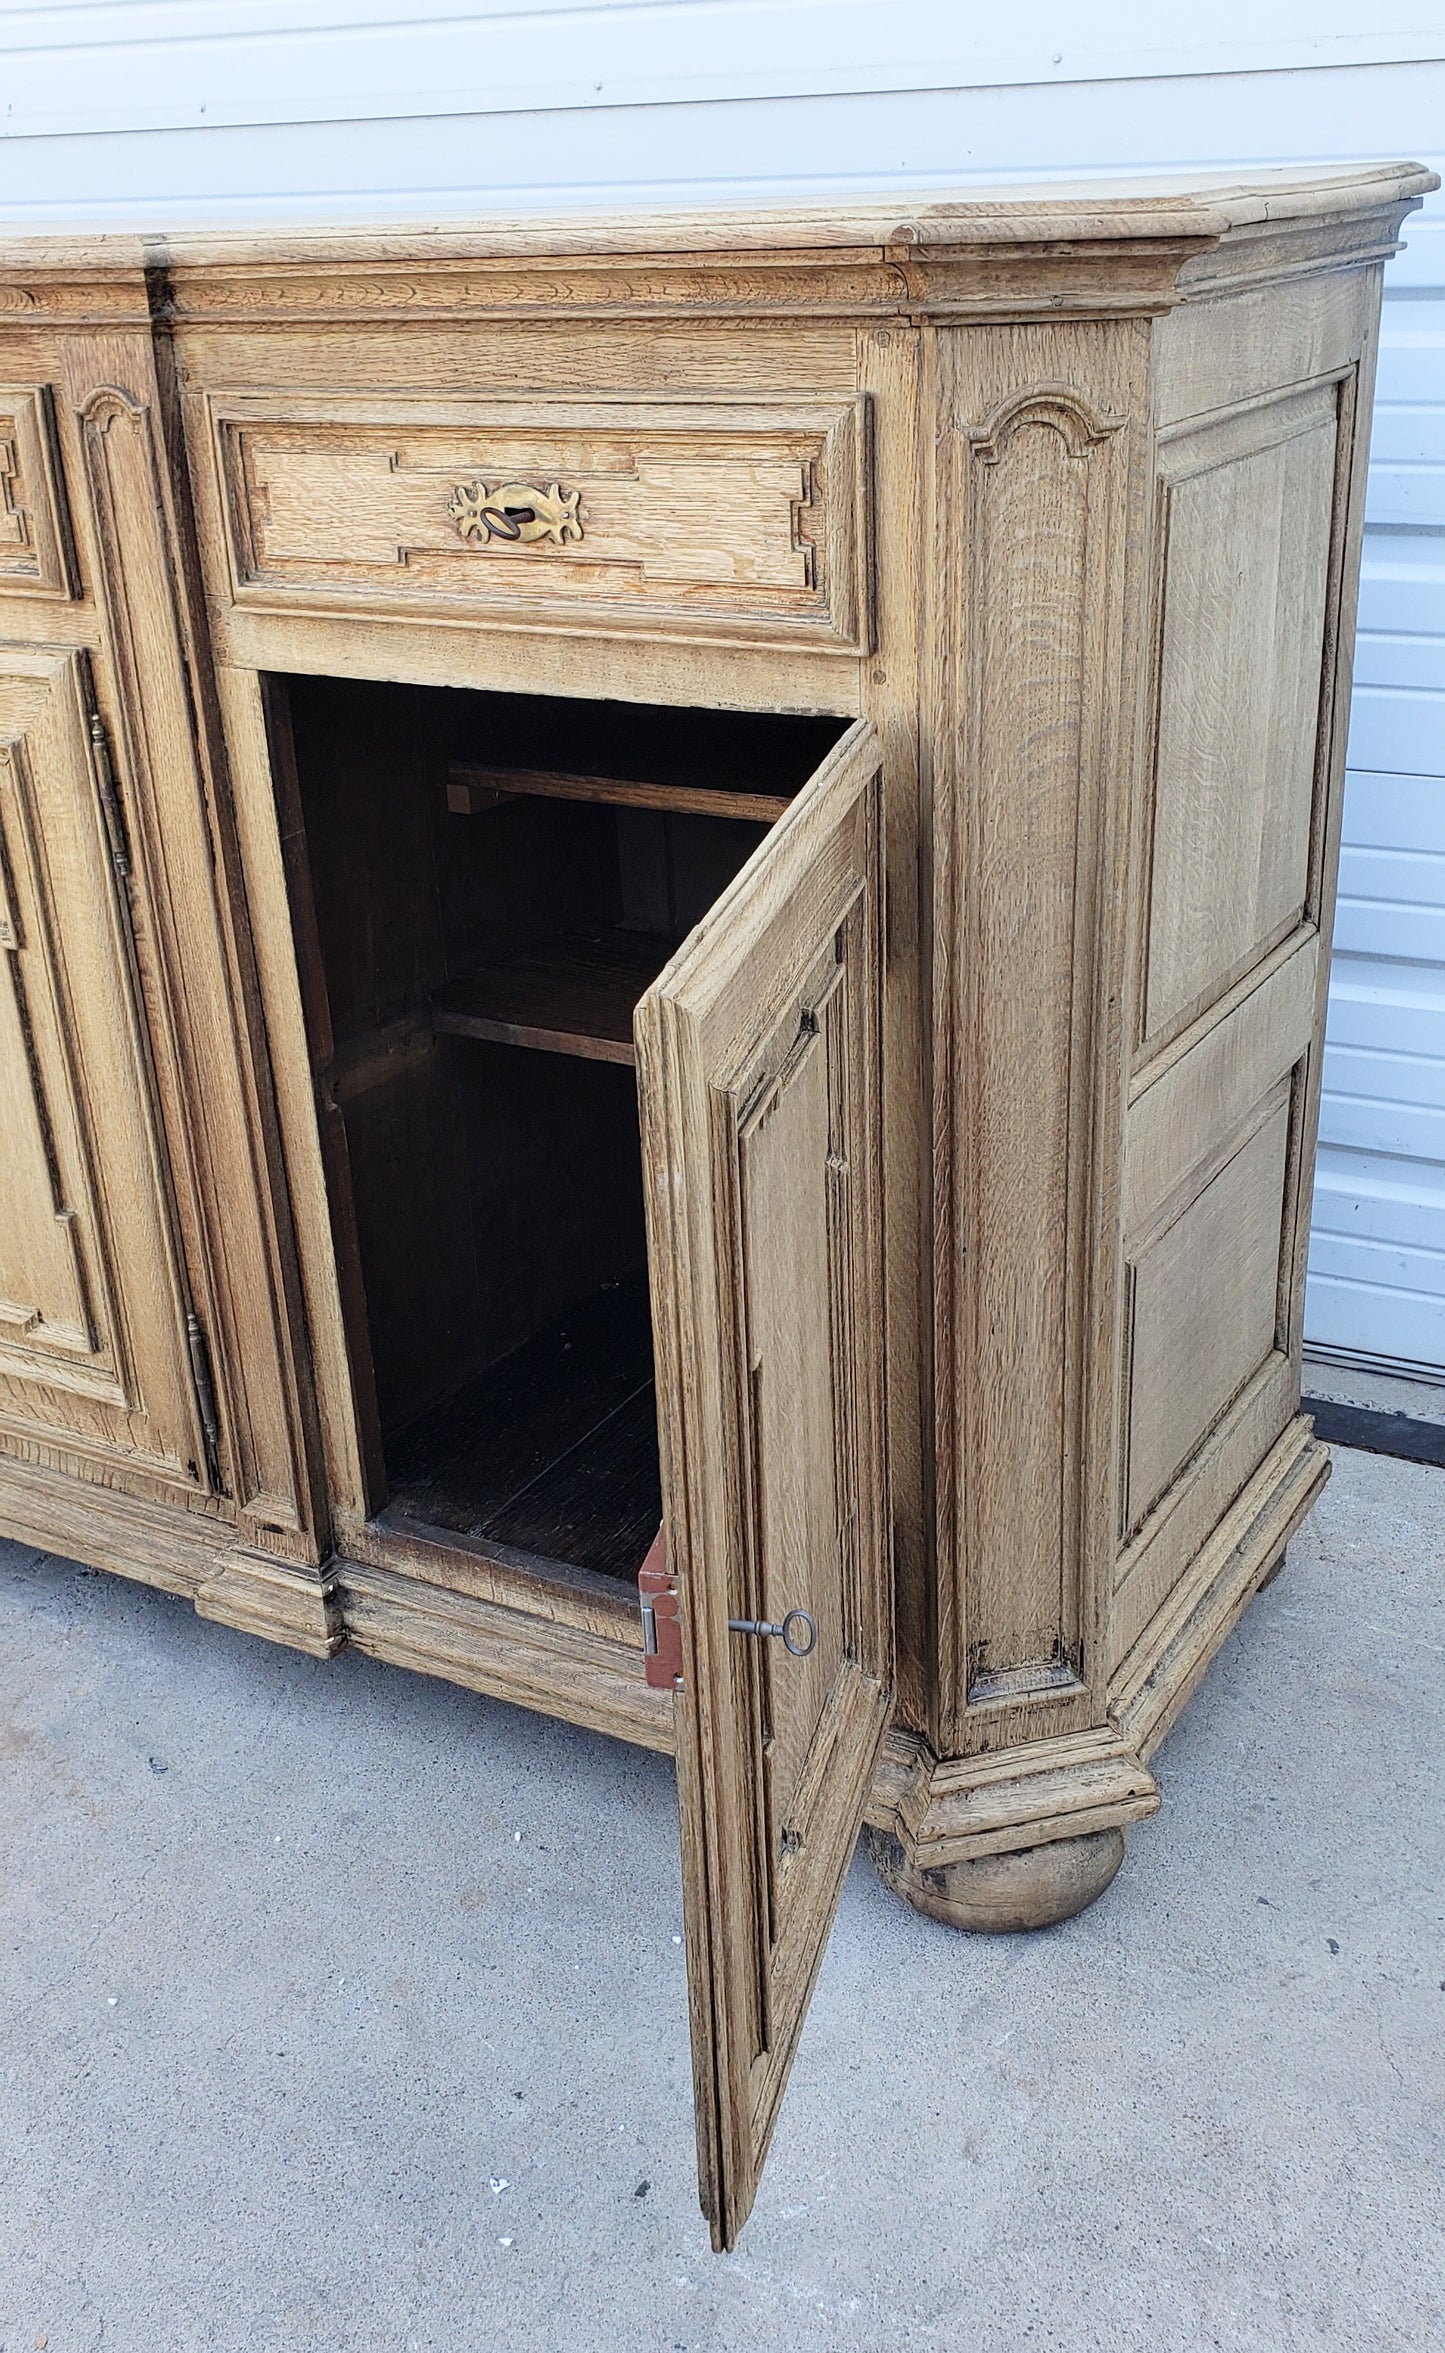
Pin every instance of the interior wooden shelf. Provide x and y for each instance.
(574, 995)
(470, 787)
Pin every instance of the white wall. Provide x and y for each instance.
(1377, 1252)
(159, 111)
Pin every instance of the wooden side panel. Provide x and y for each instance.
(1210, 1169)
(92, 1316)
(1202, 1094)
(758, 1055)
(1203, 1309)
(1247, 513)
(1029, 946)
(1261, 461)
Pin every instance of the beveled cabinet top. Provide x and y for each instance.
(1188, 204)
(1046, 245)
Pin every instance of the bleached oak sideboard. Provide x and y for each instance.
(680, 871)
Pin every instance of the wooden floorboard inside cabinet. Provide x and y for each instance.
(552, 1452)
(574, 995)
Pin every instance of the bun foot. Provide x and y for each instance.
(1034, 1887)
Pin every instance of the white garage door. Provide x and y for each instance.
(1377, 1252)
(143, 110)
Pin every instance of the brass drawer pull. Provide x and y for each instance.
(516, 511)
(798, 1631)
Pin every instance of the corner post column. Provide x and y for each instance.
(1041, 435)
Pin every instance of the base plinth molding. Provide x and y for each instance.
(1002, 1894)
(297, 1606)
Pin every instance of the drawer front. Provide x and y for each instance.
(35, 557)
(671, 518)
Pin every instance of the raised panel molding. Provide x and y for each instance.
(35, 549)
(202, 1057)
(1199, 1094)
(92, 1354)
(688, 518)
(1036, 485)
(48, 1325)
(1246, 513)
(1203, 1306)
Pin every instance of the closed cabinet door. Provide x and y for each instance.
(93, 1341)
(758, 1068)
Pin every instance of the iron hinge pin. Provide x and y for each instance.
(205, 1388)
(110, 802)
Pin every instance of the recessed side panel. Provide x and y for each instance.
(1211, 1160)
(1247, 504)
(1204, 1308)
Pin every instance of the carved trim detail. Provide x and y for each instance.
(222, 1243)
(1021, 1148)
(49, 1347)
(1078, 426)
(109, 401)
(36, 555)
(89, 1359)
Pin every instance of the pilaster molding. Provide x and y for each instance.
(1040, 472)
(202, 1056)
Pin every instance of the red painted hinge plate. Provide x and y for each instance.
(661, 1626)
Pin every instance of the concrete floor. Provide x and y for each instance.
(1352, 1384)
(341, 2008)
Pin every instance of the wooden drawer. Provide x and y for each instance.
(676, 518)
(35, 557)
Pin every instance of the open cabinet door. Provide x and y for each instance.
(758, 1073)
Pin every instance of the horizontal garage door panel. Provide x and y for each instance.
(1402, 610)
(1380, 1122)
(1367, 1319)
(1394, 813)
(1348, 1257)
(1363, 926)
(1379, 1200)
(1397, 729)
(1376, 1003)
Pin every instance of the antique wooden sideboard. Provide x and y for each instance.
(789, 760)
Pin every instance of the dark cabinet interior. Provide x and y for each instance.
(482, 886)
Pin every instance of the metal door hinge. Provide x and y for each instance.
(110, 802)
(661, 1625)
(205, 1388)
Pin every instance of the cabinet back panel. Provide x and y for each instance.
(364, 754)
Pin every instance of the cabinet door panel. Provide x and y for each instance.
(92, 1321)
(758, 1076)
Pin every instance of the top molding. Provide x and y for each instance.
(1134, 245)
